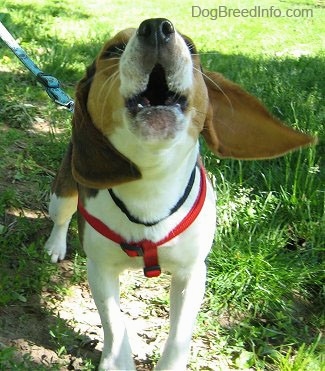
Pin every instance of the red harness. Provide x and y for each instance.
(146, 248)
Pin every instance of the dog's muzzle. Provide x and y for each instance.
(157, 93)
(156, 43)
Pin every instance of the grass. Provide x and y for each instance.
(265, 297)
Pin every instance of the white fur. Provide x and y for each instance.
(134, 75)
(183, 257)
(61, 210)
(165, 166)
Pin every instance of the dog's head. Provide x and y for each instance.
(149, 82)
(147, 89)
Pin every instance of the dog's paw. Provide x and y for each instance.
(123, 361)
(172, 360)
(57, 252)
(56, 246)
(108, 365)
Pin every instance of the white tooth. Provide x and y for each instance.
(140, 105)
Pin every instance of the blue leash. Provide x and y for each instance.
(50, 83)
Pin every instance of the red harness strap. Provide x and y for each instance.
(147, 248)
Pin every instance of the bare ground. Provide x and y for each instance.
(31, 327)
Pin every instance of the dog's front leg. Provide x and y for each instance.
(61, 210)
(104, 284)
(63, 205)
(187, 290)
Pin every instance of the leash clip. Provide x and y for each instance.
(52, 88)
(48, 81)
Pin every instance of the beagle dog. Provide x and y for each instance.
(133, 172)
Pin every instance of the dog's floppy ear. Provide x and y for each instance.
(95, 162)
(239, 126)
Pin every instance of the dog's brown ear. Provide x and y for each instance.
(239, 126)
(95, 162)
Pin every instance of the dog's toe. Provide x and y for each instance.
(56, 248)
(55, 255)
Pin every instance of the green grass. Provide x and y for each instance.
(265, 297)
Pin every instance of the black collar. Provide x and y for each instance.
(120, 204)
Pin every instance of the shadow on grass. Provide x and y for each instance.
(30, 324)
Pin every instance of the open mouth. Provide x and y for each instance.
(156, 94)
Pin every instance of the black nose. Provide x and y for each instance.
(156, 31)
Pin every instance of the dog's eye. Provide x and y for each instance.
(114, 51)
(190, 45)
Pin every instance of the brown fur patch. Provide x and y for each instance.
(95, 162)
(105, 104)
(198, 100)
(64, 185)
(239, 126)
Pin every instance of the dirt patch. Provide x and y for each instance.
(37, 327)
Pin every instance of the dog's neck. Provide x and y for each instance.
(165, 175)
